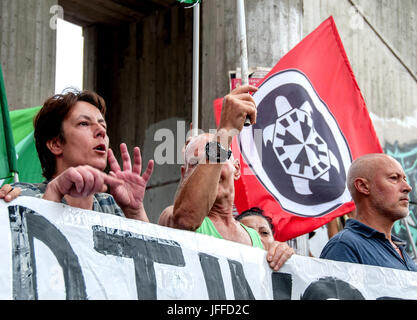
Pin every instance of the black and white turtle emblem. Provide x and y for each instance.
(296, 148)
(303, 154)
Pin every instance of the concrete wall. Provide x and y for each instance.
(27, 51)
(381, 46)
(144, 72)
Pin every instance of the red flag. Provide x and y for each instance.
(312, 122)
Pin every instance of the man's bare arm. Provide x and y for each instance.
(196, 196)
(198, 192)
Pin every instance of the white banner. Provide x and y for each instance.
(53, 251)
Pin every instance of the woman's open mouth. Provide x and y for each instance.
(101, 148)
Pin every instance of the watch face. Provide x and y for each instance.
(211, 151)
(216, 153)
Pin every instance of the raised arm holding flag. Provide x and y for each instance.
(311, 123)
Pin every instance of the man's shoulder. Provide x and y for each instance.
(353, 232)
(254, 235)
(345, 235)
(166, 216)
(344, 246)
(168, 210)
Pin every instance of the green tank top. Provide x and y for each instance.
(207, 227)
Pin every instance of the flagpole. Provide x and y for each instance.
(242, 41)
(243, 46)
(196, 45)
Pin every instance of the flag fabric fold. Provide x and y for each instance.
(312, 122)
(8, 163)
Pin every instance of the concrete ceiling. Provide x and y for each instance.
(112, 12)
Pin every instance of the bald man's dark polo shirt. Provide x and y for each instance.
(359, 243)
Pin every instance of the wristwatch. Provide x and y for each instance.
(216, 153)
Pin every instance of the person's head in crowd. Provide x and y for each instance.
(331, 288)
(195, 153)
(70, 129)
(379, 187)
(255, 219)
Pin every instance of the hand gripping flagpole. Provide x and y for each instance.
(243, 47)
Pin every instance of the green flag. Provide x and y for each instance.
(8, 164)
(27, 157)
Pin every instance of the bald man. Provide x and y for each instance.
(204, 199)
(379, 188)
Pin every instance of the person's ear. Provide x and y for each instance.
(362, 186)
(55, 145)
(237, 172)
(182, 171)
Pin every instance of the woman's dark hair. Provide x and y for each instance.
(255, 211)
(48, 123)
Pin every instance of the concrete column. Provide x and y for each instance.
(380, 40)
(273, 28)
(143, 71)
(90, 54)
(27, 51)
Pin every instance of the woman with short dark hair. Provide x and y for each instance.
(73, 147)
